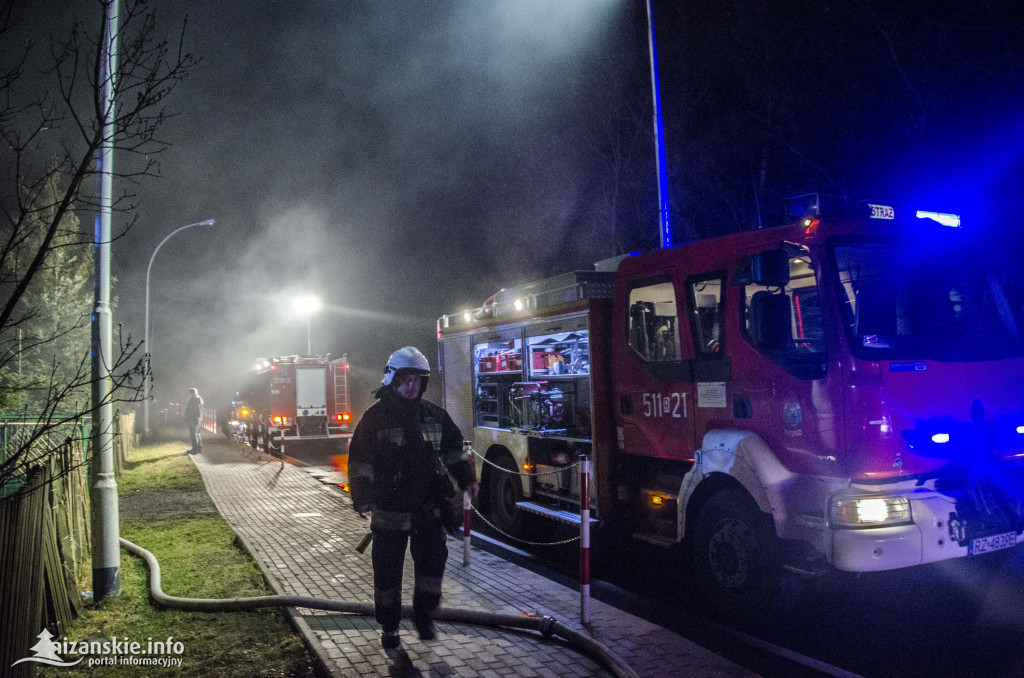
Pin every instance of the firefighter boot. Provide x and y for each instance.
(425, 627)
(390, 640)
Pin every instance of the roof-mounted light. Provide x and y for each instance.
(944, 218)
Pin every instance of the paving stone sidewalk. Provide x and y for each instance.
(304, 532)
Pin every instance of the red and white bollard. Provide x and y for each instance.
(584, 538)
(467, 506)
(467, 512)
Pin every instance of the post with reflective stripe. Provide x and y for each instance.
(585, 538)
(467, 505)
(467, 510)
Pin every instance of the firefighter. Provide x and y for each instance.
(396, 474)
(193, 415)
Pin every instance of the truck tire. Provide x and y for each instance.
(503, 491)
(737, 560)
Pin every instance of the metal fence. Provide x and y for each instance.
(17, 430)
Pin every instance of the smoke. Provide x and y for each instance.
(399, 160)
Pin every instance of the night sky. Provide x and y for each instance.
(405, 160)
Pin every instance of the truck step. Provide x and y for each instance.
(809, 568)
(656, 539)
(554, 514)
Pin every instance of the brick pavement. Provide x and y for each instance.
(303, 533)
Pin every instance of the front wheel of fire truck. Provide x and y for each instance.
(504, 490)
(737, 560)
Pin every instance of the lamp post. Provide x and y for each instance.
(145, 380)
(307, 306)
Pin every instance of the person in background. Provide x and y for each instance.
(193, 414)
(397, 460)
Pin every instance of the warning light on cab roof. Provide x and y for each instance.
(952, 220)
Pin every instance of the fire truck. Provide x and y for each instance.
(298, 399)
(843, 392)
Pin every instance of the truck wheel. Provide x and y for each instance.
(738, 560)
(503, 491)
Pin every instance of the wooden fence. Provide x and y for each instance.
(45, 546)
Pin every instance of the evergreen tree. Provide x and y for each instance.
(51, 339)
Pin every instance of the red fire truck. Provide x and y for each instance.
(845, 391)
(297, 399)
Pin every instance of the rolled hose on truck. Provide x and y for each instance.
(544, 625)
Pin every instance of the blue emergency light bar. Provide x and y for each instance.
(817, 205)
(946, 219)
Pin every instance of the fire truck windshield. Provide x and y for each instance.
(946, 306)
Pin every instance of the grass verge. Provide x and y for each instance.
(199, 558)
(160, 467)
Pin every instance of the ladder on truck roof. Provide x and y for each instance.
(341, 384)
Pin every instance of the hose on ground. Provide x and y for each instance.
(547, 626)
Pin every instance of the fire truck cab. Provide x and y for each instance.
(844, 391)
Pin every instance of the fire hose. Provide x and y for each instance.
(547, 626)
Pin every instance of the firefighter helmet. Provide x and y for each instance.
(408, 358)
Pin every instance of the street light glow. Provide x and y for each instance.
(307, 305)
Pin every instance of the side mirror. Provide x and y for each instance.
(770, 268)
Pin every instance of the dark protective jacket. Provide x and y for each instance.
(393, 459)
(194, 409)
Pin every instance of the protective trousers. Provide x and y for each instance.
(429, 556)
(195, 433)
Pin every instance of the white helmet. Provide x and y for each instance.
(408, 358)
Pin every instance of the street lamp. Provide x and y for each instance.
(307, 306)
(145, 379)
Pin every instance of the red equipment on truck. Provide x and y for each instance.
(300, 399)
(840, 392)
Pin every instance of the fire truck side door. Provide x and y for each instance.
(712, 369)
(654, 387)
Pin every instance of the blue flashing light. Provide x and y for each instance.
(940, 438)
(1020, 429)
(951, 220)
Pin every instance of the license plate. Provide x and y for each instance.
(993, 542)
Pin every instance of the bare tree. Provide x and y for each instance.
(52, 112)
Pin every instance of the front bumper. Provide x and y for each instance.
(928, 539)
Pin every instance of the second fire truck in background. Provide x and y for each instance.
(300, 402)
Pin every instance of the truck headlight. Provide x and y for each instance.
(869, 511)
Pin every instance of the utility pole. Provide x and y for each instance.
(106, 554)
(664, 230)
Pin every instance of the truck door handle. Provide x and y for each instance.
(625, 404)
(741, 407)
